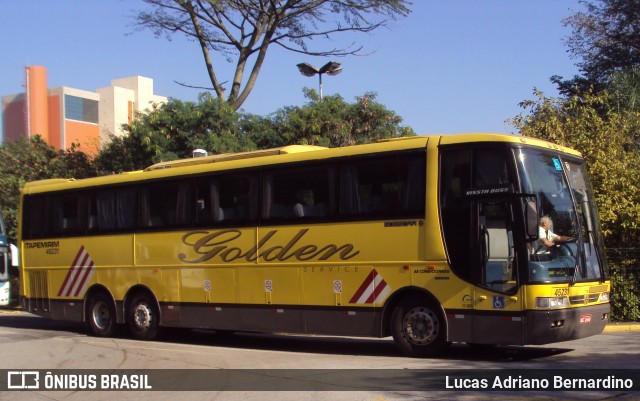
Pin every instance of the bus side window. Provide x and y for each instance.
(299, 193)
(206, 196)
(68, 214)
(384, 187)
(112, 210)
(36, 221)
(226, 199)
(166, 205)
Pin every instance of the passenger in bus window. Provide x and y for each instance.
(306, 205)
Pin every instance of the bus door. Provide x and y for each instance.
(477, 208)
(497, 304)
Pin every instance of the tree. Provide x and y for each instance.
(330, 122)
(172, 131)
(605, 38)
(607, 138)
(624, 87)
(33, 159)
(176, 128)
(243, 30)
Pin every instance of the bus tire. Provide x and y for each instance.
(143, 317)
(101, 315)
(418, 328)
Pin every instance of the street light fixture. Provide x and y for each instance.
(331, 68)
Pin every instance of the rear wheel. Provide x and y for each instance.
(418, 328)
(143, 317)
(101, 315)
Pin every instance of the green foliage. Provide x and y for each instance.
(27, 160)
(173, 131)
(625, 89)
(625, 280)
(176, 128)
(605, 37)
(605, 42)
(330, 122)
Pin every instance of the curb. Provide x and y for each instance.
(622, 327)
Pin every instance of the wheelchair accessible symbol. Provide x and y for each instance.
(498, 302)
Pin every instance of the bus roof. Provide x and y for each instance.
(234, 156)
(286, 154)
(492, 137)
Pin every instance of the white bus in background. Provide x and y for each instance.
(8, 259)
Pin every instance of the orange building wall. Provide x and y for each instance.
(55, 111)
(38, 113)
(85, 134)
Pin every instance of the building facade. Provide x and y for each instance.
(63, 116)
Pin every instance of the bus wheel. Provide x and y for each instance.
(418, 328)
(143, 317)
(101, 315)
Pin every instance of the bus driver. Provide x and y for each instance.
(547, 238)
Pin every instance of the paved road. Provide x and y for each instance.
(29, 342)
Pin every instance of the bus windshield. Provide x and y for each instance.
(568, 219)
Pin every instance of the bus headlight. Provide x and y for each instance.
(604, 297)
(551, 302)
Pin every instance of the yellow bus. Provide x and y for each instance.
(429, 239)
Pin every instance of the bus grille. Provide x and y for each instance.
(584, 299)
(38, 291)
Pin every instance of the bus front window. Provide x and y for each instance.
(595, 265)
(567, 216)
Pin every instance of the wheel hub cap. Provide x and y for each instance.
(101, 316)
(142, 316)
(420, 326)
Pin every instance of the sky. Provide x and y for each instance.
(449, 67)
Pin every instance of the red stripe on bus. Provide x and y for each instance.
(363, 287)
(379, 288)
(77, 273)
(88, 269)
(70, 272)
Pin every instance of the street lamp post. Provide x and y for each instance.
(331, 68)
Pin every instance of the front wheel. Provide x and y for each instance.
(143, 317)
(418, 328)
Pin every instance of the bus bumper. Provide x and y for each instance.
(544, 327)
